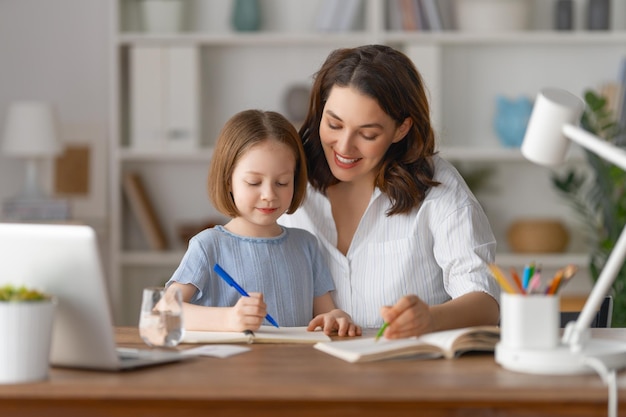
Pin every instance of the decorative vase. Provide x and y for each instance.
(492, 15)
(26, 328)
(511, 119)
(246, 15)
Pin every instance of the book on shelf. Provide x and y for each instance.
(446, 14)
(444, 344)
(409, 10)
(431, 14)
(265, 334)
(337, 15)
(143, 210)
(394, 15)
(36, 209)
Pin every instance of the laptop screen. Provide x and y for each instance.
(64, 261)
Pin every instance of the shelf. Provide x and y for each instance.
(450, 38)
(481, 154)
(151, 259)
(511, 38)
(463, 71)
(246, 39)
(557, 260)
(495, 154)
(200, 155)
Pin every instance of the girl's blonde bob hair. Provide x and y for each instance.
(240, 133)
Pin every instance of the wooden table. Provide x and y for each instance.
(296, 380)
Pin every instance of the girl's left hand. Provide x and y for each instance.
(335, 320)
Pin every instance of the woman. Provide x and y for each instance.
(406, 241)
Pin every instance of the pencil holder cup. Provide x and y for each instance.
(529, 321)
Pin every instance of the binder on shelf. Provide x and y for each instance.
(144, 211)
(164, 97)
(146, 97)
(182, 101)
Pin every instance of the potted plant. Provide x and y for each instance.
(598, 196)
(26, 318)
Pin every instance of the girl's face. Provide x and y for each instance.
(262, 186)
(356, 133)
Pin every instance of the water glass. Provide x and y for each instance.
(161, 318)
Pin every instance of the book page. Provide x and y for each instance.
(456, 341)
(265, 334)
(449, 343)
(368, 349)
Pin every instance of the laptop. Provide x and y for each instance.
(64, 261)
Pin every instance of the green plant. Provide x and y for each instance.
(23, 293)
(598, 197)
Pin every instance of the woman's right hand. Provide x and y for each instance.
(248, 313)
(410, 316)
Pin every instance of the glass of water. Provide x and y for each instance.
(161, 317)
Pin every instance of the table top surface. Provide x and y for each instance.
(293, 372)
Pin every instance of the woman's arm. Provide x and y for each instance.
(247, 314)
(410, 316)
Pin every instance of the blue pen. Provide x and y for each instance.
(230, 281)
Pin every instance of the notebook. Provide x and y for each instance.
(266, 334)
(64, 261)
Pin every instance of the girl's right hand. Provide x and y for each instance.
(248, 313)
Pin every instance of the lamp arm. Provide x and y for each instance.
(574, 335)
(593, 143)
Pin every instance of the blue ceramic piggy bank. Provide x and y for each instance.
(511, 119)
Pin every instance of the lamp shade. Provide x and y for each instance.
(544, 141)
(31, 130)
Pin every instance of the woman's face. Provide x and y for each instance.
(356, 133)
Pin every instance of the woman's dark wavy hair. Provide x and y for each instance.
(389, 77)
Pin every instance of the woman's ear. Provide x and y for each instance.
(402, 130)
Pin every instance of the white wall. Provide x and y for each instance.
(57, 50)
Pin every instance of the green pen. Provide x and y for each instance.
(381, 331)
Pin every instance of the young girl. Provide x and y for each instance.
(257, 173)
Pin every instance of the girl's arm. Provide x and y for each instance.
(247, 314)
(331, 319)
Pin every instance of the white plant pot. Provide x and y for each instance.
(162, 16)
(486, 16)
(26, 329)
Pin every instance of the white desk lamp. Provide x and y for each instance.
(31, 133)
(553, 122)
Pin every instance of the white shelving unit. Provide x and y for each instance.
(464, 73)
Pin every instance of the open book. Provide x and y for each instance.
(447, 344)
(265, 334)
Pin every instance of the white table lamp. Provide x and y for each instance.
(31, 133)
(553, 123)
